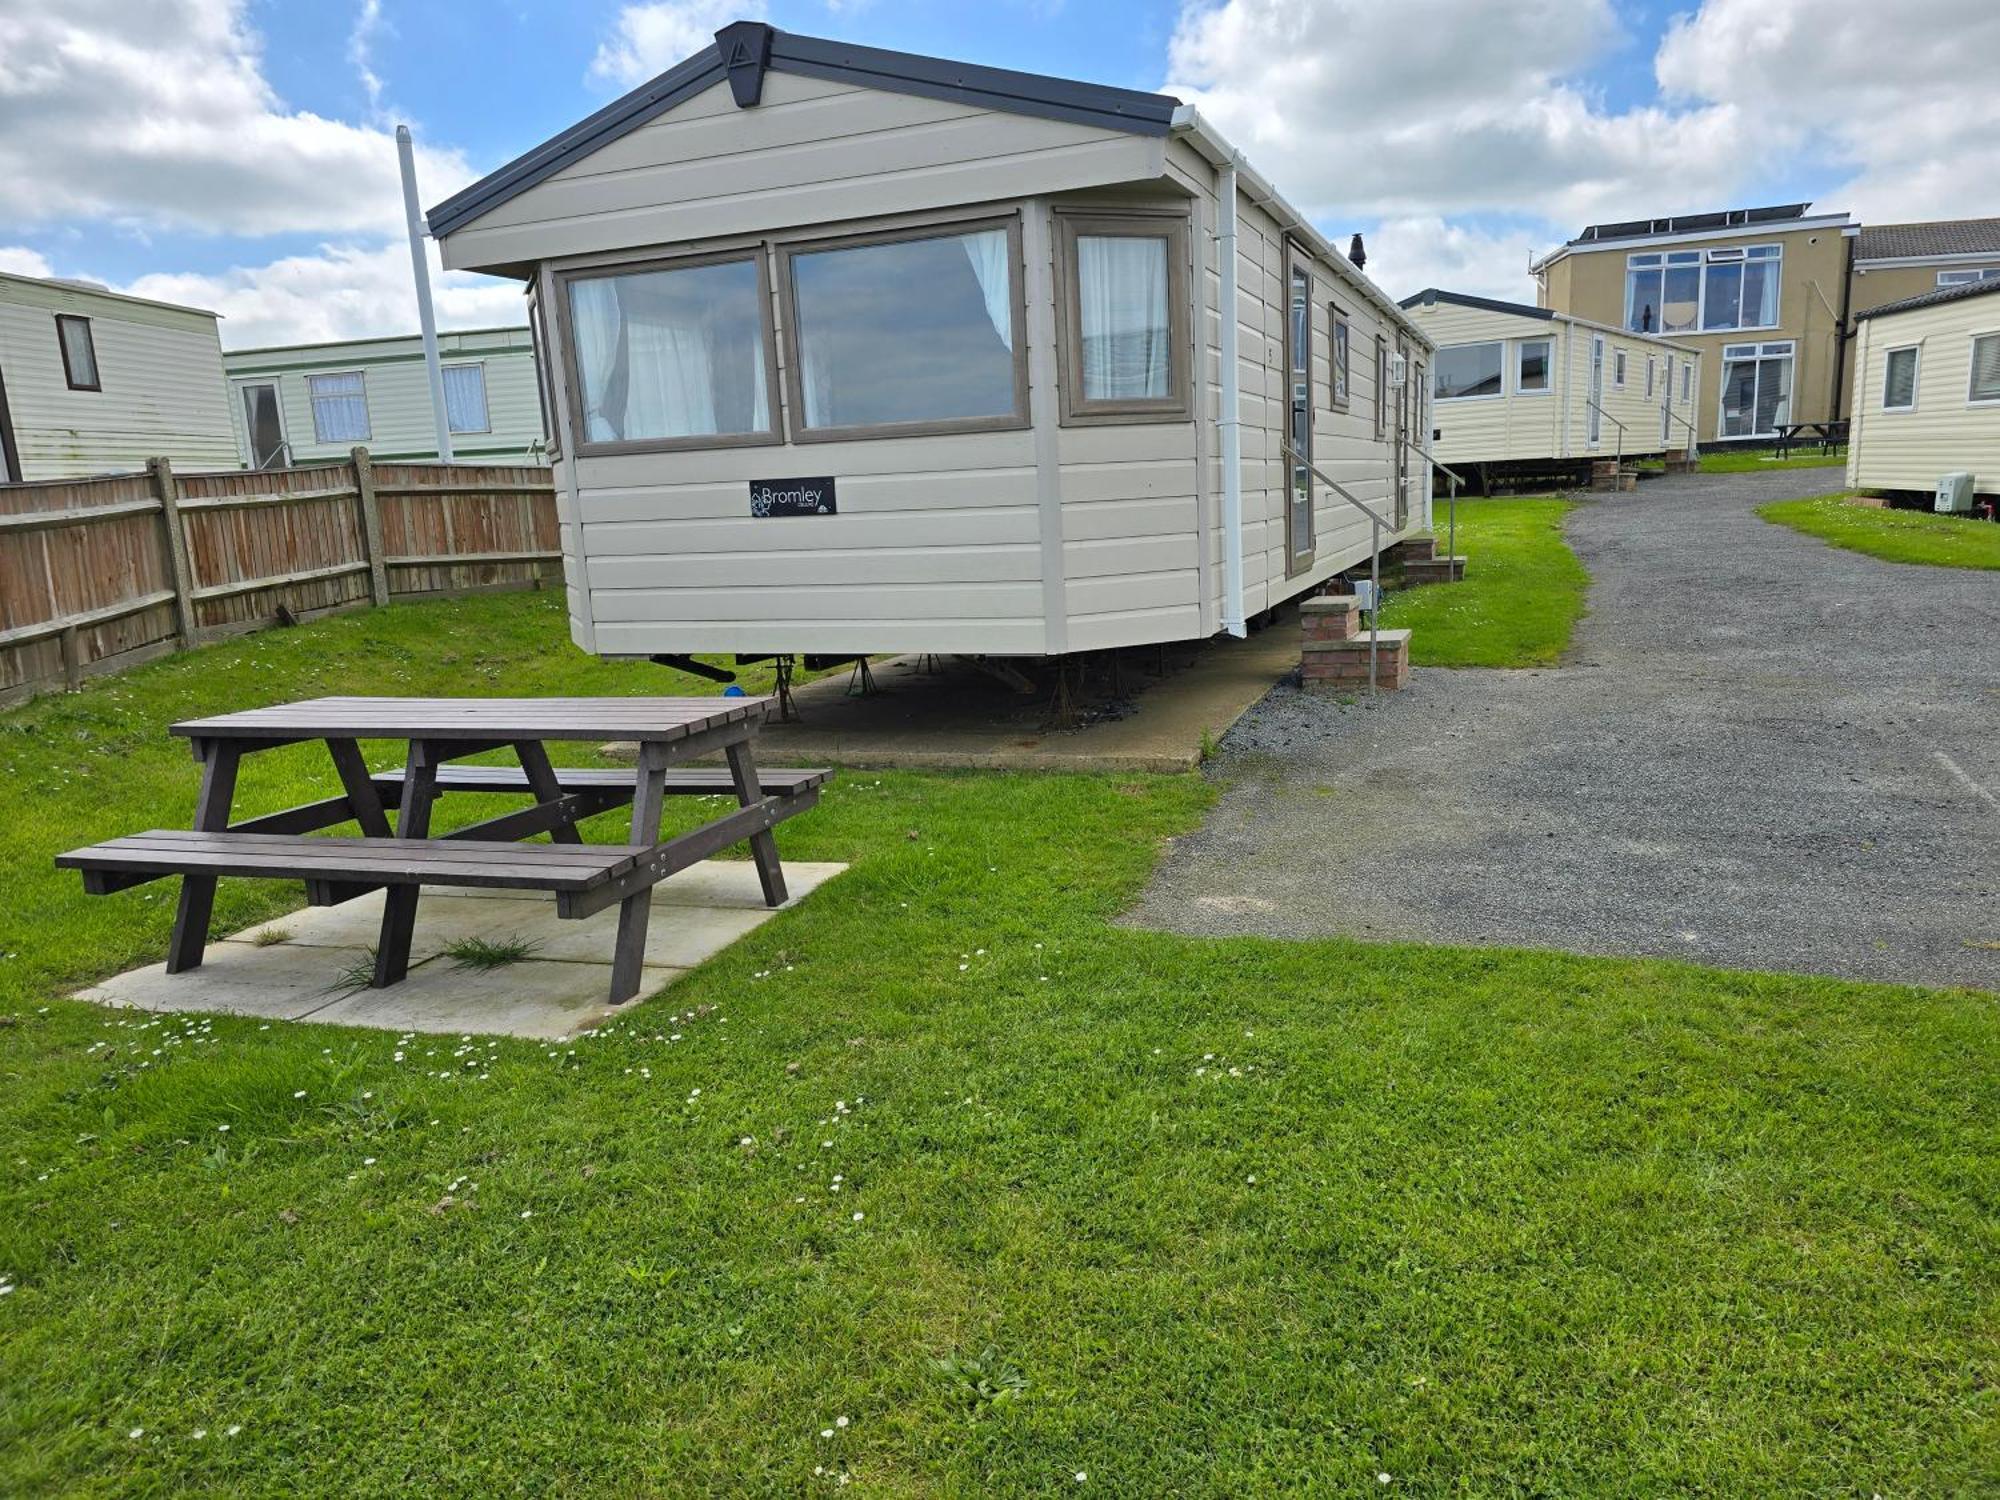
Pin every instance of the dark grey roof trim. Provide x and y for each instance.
(1931, 299)
(1431, 294)
(815, 57)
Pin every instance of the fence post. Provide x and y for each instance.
(371, 526)
(179, 572)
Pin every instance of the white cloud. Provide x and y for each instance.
(343, 291)
(368, 26)
(1406, 255)
(1894, 95)
(158, 115)
(650, 38)
(24, 262)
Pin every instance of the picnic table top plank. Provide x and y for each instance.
(659, 719)
(574, 867)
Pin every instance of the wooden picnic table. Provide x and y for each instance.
(585, 878)
(1827, 434)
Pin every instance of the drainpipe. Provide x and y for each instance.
(1841, 332)
(1231, 421)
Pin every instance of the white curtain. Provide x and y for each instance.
(594, 310)
(669, 377)
(465, 398)
(1122, 297)
(987, 251)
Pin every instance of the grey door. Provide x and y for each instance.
(265, 426)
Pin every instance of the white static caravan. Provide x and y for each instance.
(1528, 388)
(312, 403)
(96, 382)
(855, 351)
(1927, 392)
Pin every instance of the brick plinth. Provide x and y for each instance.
(1332, 617)
(1341, 666)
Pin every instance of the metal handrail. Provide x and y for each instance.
(1451, 498)
(1618, 458)
(1374, 551)
(1694, 438)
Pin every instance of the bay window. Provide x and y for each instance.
(674, 355)
(906, 332)
(1468, 371)
(1723, 289)
(1124, 311)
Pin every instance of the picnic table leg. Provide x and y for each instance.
(361, 793)
(399, 902)
(636, 910)
(542, 782)
(211, 814)
(763, 847)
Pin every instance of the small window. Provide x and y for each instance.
(1531, 367)
(340, 408)
(915, 332)
(670, 356)
(1618, 369)
(1125, 317)
(1687, 384)
(1966, 278)
(539, 339)
(1337, 321)
(1984, 386)
(1466, 371)
(79, 352)
(1899, 380)
(1381, 387)
(465, 398)
(1650, 376)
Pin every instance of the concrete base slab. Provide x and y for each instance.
(947, 714)
(299, 967)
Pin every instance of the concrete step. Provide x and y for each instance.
(1434, 570)
(1416, 549)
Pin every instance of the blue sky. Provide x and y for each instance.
(246, 163)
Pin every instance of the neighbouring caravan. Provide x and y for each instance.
(95, 382)
(1525, 394)
(856, 351)
(1927, 394)
(312, 403)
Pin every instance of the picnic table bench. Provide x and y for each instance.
(1829, 435)
(584, 878)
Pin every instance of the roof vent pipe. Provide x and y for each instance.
(1357, 252)
(1231, 420)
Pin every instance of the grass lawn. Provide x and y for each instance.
(1762, 460)
(1903, 536)
(952, 1186)
(1520, 599)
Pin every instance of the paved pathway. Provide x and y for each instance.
(1764, 753)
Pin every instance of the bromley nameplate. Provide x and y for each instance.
(792, 497)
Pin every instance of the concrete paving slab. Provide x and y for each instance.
(533, 998)
(557, 991)
(283, 982)
(947, 714)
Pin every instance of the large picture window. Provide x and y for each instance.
(916, 332)
(1125, 317)
(1468, 371)
(671, 356)
(1682, 291)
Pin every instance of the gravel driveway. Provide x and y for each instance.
(1763, 753)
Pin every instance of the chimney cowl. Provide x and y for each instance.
(1357, 252)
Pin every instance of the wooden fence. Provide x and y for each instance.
(99, 574)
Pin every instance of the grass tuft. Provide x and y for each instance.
(485, 953)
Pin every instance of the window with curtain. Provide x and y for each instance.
(1680, 291)
(1337, 321)
(1899, 380)
(1984, 385)
(1467, 370)
(671, 355)
(339, 407)
(1125, 320)
(465, 398)
(79, 352)
(906, 331)
(1618, 369)
(1531, 369)
(1756, 389)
